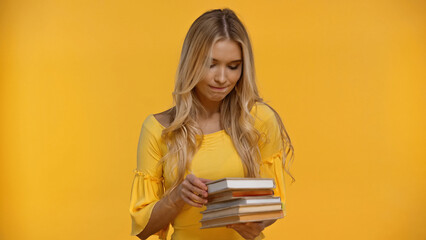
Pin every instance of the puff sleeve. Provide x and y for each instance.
(271, 150)
(147, 188)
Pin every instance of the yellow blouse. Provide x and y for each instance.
(216, 158)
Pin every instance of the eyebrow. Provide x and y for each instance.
(233, 61)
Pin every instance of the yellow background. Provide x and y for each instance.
(79, 77)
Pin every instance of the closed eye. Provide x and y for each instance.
(234, 67)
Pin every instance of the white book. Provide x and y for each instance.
(240, 183)
(262, 200)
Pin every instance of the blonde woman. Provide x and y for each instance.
(219, 127)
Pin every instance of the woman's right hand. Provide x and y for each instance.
(193, 190)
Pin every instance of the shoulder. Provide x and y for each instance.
(263, 114)
(154, 124)
(165, 118)
(151, 133)
(269, 125)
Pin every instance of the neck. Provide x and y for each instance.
(212, 108)
(209, 121)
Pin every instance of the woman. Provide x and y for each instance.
(219, 127)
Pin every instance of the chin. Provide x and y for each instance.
(217, 98)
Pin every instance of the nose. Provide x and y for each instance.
(220, 76)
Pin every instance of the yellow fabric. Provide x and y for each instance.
(216, 158)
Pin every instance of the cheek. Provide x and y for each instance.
(205, 80)
(235, 76)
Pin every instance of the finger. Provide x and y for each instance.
(194, 189)
(196, 182)
(238, 227)
(194, 197)
(253, 228)
(204, 180)
(255, 225)
(190, 202)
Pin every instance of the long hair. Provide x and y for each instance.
(183, 136)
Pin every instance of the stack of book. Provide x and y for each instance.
(238, 200)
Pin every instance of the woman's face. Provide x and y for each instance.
(223, 74)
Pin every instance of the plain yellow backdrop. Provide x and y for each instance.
(79, 77)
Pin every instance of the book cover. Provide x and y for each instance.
(240, 183)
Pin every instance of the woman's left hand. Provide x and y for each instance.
(248, 230)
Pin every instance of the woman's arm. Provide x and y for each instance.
(192, 191)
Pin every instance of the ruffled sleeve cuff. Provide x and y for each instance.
(146, 192)
(272, 167)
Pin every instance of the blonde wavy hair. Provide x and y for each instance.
(184, 136)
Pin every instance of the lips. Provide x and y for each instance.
(219, 89)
